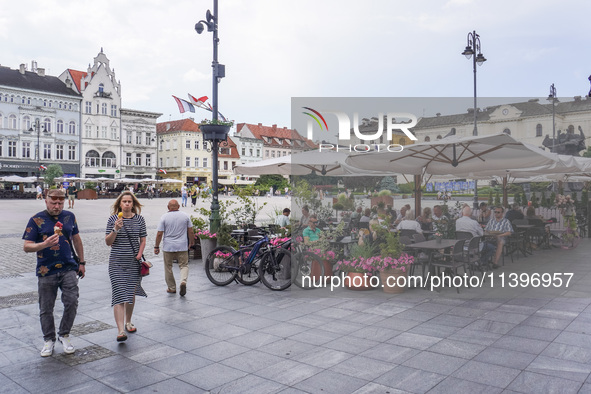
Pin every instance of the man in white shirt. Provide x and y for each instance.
(283, 219)
(466, 223)
(177, 229)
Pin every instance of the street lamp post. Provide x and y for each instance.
(212, 135)
(473, 51)
(552, 96)
(37, 127)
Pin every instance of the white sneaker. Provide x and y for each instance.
(47, 349)
(68, 347)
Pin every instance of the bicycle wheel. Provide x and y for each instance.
(249, 275)
(307, 266)
(275, 269)
(221, 270)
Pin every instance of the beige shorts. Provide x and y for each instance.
(71, 197)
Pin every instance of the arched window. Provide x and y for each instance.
(539, 130)
(26, 122)
(109, 159)
(12, 121)
(104, 108)
(92, 159)
(47, 124)
(427, 139)
(72, 127)
(507, 131)
(60, 126)
(439, 137)
(101, 88)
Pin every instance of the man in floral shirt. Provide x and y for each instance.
(500, 227)
(49, 234)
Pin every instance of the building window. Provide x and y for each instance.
(160, 162)
(59, 152)
(12, 122)
(26, 122)
(539, 130)
(128, 133)
(243, 151)
(233, 164)
(205, 145)
(205, 162)
(188, 144)
(250, 151)
(196, 162)
(71, 152)
(47, 124)
(88, 131)
(72, 127)
(453, 131)
(104, 108)
(101, 88)
(88, 107)
(128, 159)
(272, 153)
(196, 144)
(174, 161)
(104, 132)
(113, 133)
(47, 151)
(427, 139)
(113, 110)
(92, 158)
(138, 138)
(225, 165)
(267, 154)
(109, 159)
(187, 162)
(26, 150)
(1, 148)
(138, 159)
(258, 152)
(148, 139)
(148, 160)
(439, 137)
(11, 148)
(168, 162)
(60, 126)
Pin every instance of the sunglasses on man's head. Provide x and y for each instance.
(56, 198)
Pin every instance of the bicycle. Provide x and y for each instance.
(224, 264)
(306, 265)
(276, 266)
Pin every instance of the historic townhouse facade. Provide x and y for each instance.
(116, 143)
(39, 122)
(276, 141)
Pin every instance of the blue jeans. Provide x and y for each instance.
(67, 282)
(184, 200)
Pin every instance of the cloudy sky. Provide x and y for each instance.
(276, 49)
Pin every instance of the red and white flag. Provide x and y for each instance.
(162, 171)
(184, 105)
(42, 167)
(199, 102)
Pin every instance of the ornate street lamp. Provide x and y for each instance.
(552, 97)
(37, 127)
(473, 51)
(214, 132)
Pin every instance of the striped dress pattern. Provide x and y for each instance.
(124, 270)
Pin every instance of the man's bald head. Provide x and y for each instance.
(173, 205)
(467, 211)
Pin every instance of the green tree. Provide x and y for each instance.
(388, 183)
(543, 200)
(497, 199)
(266, 181)
(534, 200)
(361, 182)
(53, 171)
(517, 199)
(491, 202)
(552, 199)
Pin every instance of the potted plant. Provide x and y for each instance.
(215, 129)
(392, 269)
(359, 266)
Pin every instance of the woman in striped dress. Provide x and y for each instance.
(126, 235)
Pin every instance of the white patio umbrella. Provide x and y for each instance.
(329, 163)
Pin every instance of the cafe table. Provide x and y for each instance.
(431, 247)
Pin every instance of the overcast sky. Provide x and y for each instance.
(275, 49)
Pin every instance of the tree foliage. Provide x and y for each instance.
(53, 171)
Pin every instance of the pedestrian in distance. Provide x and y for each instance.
(184, 195)
(126, 235)
(72, 190)
(39, 192)
(53, 235)
(175, 230)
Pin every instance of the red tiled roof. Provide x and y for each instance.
(259, 131)
(234, 150)
(77, 77)
(177, 125)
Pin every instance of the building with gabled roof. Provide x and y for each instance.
(276, 141)
(39, 122)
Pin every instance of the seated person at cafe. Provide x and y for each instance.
(400, 215)
(438, 213)
(425, 219)
(485, 213)
(502, 228)
(311, 233)
(467, 224)
(305, 217)
(357, 214)
(409, 222)
(283, 219)
(366, 216)
(530, 213)
(514, 213)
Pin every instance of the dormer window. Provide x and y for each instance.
(101, 88)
